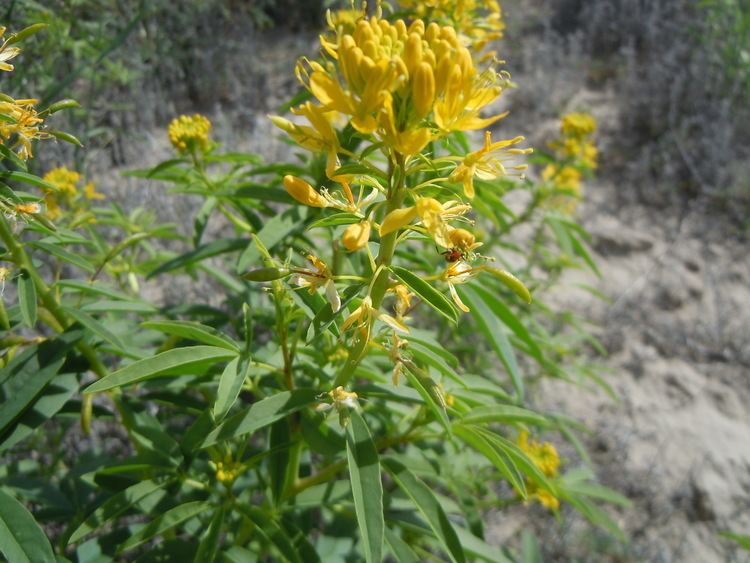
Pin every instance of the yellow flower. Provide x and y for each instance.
(389, 78)
(356, 236)
(23, 123)
(6, 53)
(565, 177)
(64, 180)
(487, 162)
(545, 457)
(364, 317)
(403, 300)
(28, 208)
(190, 133)
(303, 192)
(321, 137)
(455, 274)
(433, 215)
(320, 277)
(90, 193)
(476, 21)
(578, 124)
(582, 150)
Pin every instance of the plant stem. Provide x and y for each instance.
(396, 195)
(46, 296)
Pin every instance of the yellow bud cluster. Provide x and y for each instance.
(390, 79)
(66, 184)
(545, 457)
(477, 21)
(577, 125)
(190, 133)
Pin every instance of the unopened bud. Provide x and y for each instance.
(303, 192)
(356, 236)
(423, 89)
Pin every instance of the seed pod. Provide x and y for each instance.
(512, 282)
(423, 89)
(266, 274)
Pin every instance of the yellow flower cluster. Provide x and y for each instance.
(545, 457)
(19, 121)
(407, 85)
(477, 21)
(189, 133)
(577, 153)
(21, 124)
(66, 191)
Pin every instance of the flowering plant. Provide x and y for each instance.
(348, 286)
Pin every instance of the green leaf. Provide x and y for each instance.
(400, 549)
(164, 522)
(21, 538)
(96, 328)
(201, 253)
(191, 330)
(279, 437)
(108, 306)
(494, 455)
(494, 331)
(427, 293)
(209, 546)
(367, 487)
(116, 505)
(335, 220)
(30, 372)
(230, 384)
(65, 256)
(428, 506)
(261, 414)
(273, 232)
(95, 288)
(271, 529)
(178, 361)
(741, 540)
(504, 414)
(53, 398)
(430, 393)
(27, 299)
(26, 178)
(26, 32)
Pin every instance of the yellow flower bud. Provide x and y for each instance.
(303, 192)
(356, 236)
(413, 52)
(461, 239)
(423, 89)
(397, 219)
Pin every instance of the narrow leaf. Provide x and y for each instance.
(21, 538)
(427, 293)
(178, 361)
(367, 488)
(192, 330)
(27, 299)
(428, 506)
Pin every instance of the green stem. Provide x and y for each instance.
(46, 296)
(396, 195)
